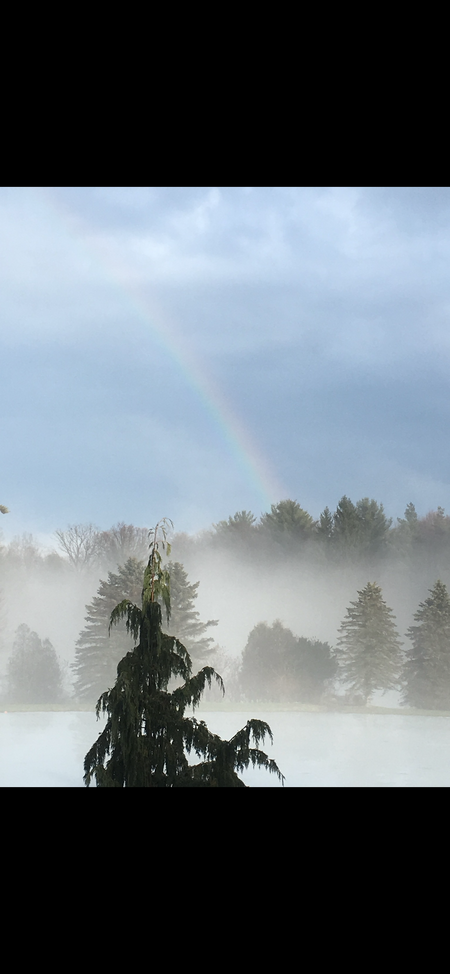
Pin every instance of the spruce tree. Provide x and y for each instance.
(427, 666)
(98, 653)
(369, 650)
(147, 737)
(184, 619)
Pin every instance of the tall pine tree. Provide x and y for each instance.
(369, 650)
(427, 666)
(147, 738)
(184, 619)
(98, 653)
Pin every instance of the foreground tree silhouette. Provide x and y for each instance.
(146, 737)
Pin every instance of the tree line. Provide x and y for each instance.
(275, 665)
(352, 531)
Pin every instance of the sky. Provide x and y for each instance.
(191, 352)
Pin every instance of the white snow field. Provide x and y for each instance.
(311, 749)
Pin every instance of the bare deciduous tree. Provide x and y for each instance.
(121, 542)
(80, 542)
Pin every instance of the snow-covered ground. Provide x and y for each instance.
(311, 749)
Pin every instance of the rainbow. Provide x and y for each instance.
(240, 445)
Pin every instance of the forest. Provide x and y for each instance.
(285, 607)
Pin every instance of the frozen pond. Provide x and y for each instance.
(311, 749)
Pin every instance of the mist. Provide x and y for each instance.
(241, 583)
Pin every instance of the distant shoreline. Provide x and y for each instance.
(242, 708)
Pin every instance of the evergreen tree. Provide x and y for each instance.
(374, 525)
(239, 528)
(287, 524)
(325, 527)
(369, 650)
(98, 652)
(405, 534)
(146, 737)
(346, 525)
(410, 518)
(184, 618)
(34, 673)
(427, 666)
(362, 527)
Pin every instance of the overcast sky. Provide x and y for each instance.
(192, 352)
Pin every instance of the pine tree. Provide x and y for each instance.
(241, 529)
(360, 528)
(146, 737)
(34, 673)
(346, 524)
(405, 534)
(369, 650)
(184, 619)
(325, 526)
(287, 522)
(427, 666)
(98, 653)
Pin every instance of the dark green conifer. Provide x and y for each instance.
(97, 653)
(147, 738)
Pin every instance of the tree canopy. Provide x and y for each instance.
(287, 520)
(278, 666)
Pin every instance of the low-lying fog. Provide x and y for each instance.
(47, 593)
